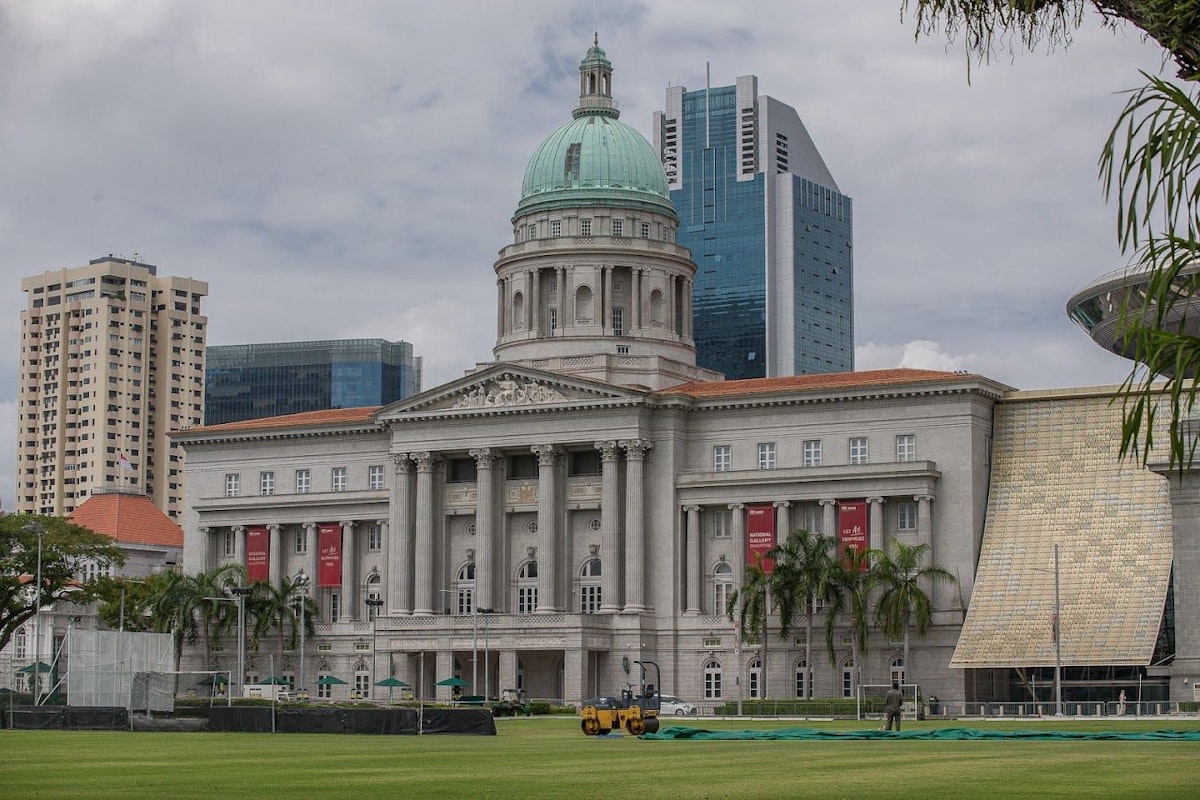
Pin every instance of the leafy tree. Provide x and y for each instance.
(903, 603)
(182, 605)
(803, 563)
(850, 582)
(66, 549)
(1150, 162)
(126, 601)
(748, 607)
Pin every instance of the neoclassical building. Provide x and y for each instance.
(590, 497)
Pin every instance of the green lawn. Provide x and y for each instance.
(550, 758)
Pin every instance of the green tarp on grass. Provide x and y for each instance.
(942, 734)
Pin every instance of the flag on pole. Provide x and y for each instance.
(124, 462)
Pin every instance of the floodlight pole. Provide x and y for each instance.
(301, 582)
(36, 527)
(1058, 702)
(373, 606)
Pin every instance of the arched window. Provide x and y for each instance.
(898, 670)
(754, 679)
(362, 680)
(583, 305)
(722, 587)
(374, 595)
(656, 307)
(847, 678)
(518, 311)
(527, 590)
(324, 688)
(712, 679)
(21, 646)
(589, 586)
(802, 679)
(464, 589)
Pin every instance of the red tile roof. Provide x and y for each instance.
(332, 416)
(835, 381)
(128, 518)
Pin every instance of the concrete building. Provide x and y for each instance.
(768, 228)
(112, 359)
(250, 381)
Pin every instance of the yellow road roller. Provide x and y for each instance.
(633, 711)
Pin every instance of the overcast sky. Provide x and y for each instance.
(349, 169)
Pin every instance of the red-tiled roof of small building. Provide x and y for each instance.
(329, 416)
(130, 518)
(834, 381)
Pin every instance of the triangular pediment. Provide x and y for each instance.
(508, 388)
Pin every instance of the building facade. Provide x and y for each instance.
(112, 359)
(250, 381)
(769, 230)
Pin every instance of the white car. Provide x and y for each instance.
(673, 705)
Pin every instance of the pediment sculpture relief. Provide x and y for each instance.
(509, 391)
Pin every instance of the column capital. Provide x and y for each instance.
(636, 449)
(736, 506)
(609, 450)
(381, 522)
(402, 461)
(346, 525)
(485, 457)
(691, 509)
(274, 527)
(879, 500)
(239, 528)
(309, 525)
(426, 460)
(203, 530)
(928, 498)
(782, 504)
(827, 502)
(547, 453)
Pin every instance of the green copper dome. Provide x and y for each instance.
(595, 159)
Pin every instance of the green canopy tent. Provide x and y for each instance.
(330, 680)
(40, 666)
(455, 684)
(392, 683)
(214, 680)
(274, 680)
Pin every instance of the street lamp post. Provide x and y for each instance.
(301, 582)
(239, 599)
(373, 606)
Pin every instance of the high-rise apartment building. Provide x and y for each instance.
(112, 359)
(252, 381)
(768, 228)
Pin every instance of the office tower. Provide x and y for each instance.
(768, 228)
(252, 381)
(112, 359)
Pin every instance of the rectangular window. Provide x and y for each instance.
(589, 599)
(532, 231)
(906, 515)
(555, 228)
(375, 477)
(374, 538)
(266, 483)
(858, 450)
(618, 227)
(618, 321)
(303, 481)
(230, 546)
(645, 230)
(337, 479)
(585, 227)
(722, 519)
(233, 485)
(906, 447)
(526, 599)
(812, 452)
(553, 319)
(722, 458)
(766, 455)
(301, 542)
(335, 606)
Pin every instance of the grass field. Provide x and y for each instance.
(535, 758)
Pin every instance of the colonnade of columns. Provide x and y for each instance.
(694, 579)
(677, 301)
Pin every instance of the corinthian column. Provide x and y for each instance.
(274, 555)
(423, 561)
(610, 528)
(737, 531)
(485, 526)
(400, 537)
(635, 522)
(547, 541)
(349, 573)
(875, 523)
(692, 579)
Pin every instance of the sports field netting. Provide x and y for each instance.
(941, 734)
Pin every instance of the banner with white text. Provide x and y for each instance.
(329, 549)
(760, 535)
(258, 553)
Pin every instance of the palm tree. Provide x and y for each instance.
(749, 604)
(181, 605)
(904, 604)
(271, 608)
(801, 575)
(850, 584)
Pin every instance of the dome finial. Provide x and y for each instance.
(595, 83)
(596, 38)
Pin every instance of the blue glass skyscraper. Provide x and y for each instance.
(768, 228)
(253, 381)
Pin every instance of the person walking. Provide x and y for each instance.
(1121, 703)
(892, 703)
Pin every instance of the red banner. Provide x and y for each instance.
(760, 535)
(853, 533)
(258, 553)
(329, 548)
